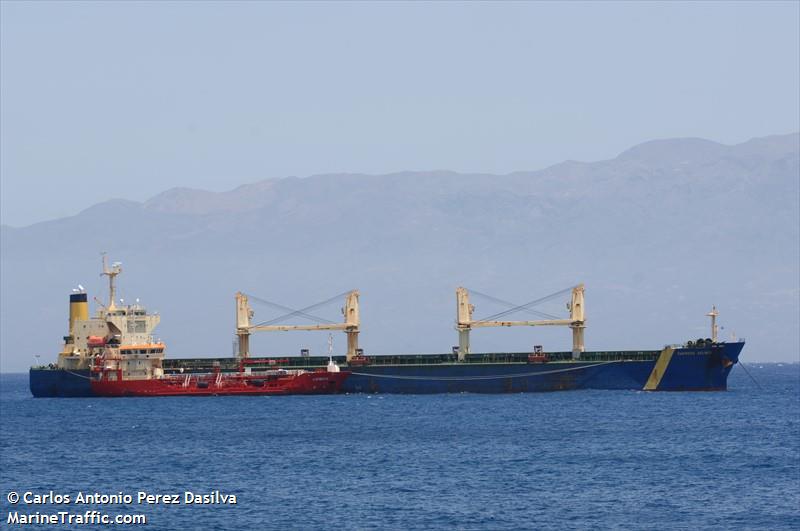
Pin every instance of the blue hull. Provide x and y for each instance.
(688, 369)
(60, 383)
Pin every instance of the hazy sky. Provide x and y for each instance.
(126, 99)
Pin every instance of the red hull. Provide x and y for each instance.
(307, 383)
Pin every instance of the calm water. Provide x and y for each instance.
(583, 459)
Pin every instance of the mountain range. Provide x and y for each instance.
(657, 234)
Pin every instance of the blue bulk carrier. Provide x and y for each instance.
(703, 367)
(700, 365)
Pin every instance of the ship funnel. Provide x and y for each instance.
(78, 310)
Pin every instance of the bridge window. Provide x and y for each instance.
(137, 326)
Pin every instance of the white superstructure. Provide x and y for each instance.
(118, 337)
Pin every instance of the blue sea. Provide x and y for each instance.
(579, 459)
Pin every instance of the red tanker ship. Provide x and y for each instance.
(109, 381)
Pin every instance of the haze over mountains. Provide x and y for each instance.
(657, 234)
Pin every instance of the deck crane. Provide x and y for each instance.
(350, 325)
(465, 322)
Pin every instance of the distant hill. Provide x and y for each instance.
(658, 234)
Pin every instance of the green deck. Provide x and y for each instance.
(298, 362)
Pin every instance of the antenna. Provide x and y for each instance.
(332, 367)
(111, 273)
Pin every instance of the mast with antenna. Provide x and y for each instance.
(111, 273)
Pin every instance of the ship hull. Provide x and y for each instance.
(687, 369)
(46, 382)
(309, 383)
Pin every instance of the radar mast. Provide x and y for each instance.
(111, 273)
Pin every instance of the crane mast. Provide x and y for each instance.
(465, 322)
(714, 329)
(350, 326)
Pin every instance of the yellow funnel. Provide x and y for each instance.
(78, 310)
